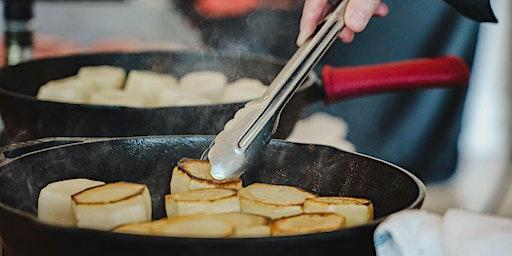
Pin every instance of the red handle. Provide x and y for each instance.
(447, 71)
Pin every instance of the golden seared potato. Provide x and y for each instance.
(247, 225)
(272, 201)
(307, 223)
(204, 226)
(192, 174)
(108, 206)
(54, 202)
(137, 228)
(202, 201)
(355, 210)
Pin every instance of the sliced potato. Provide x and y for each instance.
(111, 205)
(355, 210)
(202, 201)
(149, 85)
(54, 202)
(187, 99)
(103, 77)
(247, 225)
(192, 174)
(168, 97)
(116, 98)
(253, 231)
(243, 89)
(207, 226)
(244, 225)
(208, 84)
(138, 228)
(67, 90)
(244, 220)
(272, 201)
(307, 224)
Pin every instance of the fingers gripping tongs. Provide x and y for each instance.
(245, 136)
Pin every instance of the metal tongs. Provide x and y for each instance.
(250, 130)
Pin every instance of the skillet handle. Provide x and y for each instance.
(18, 149)
(446, 71)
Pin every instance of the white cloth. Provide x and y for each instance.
(458, 232)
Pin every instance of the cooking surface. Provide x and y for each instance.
(148, 160)
(318, 169)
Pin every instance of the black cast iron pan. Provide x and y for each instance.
(319, 169)
(26, 118)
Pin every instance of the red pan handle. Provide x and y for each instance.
(446, 71)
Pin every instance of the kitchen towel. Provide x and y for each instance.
(458, 232)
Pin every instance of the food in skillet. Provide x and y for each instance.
(273, 201)
(107, 206)
(307, 224)
(199, 206)
(106, 85)
(202, 201)
(54, 202)
(355, 210)
(191, 174)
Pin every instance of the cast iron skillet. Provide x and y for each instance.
(319, 169)
(26, 118)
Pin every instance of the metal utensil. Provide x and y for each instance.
(250, 130)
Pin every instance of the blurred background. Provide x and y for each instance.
(458, 142)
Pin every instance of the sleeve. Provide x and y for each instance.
(479, 10)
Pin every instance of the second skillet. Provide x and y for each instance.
(26, 118)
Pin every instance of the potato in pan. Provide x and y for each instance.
(202, 201)
(192, 174)
(54, 202)
(112, 86)
(355, 210)
(307, 224)
(273, 201)
(107, 206)
(200, 206)
(240, 225)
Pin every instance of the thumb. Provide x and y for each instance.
(359, 12)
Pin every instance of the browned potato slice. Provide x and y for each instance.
(110, 205)
(355, 210)
(202, 201)
(272, 201)
(54, 202)
(307, 224)
(192, 174)
(103, 77)
(138, 228)
(248, 225)
(253, 231)
(207, 226)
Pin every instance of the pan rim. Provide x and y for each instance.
(220, 53)
(323, 235)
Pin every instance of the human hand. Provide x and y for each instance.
(357, 16)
